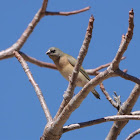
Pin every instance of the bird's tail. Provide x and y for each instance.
(96, 94)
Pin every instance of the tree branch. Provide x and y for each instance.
(115, 104)
(35, 85)
(132, 135)
(67, 13)
(20, 42)
(101, 120)
(125, 42)
(127, 76)
(37, 62)
(94, 71)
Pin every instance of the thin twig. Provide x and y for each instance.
(80, 58)
(67, 13)
(127, 76)
(101, 120)
(35, 85)
(37, 62)
(94, 71)
(132, 135)
(108, 97)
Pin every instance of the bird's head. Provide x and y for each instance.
(54, 53)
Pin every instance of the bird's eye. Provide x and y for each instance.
(52, 51)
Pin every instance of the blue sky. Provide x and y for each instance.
(21, 116)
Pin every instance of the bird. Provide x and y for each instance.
(65, 64)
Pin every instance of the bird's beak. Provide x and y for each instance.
(48, 52)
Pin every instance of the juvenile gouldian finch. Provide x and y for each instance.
(65, 64)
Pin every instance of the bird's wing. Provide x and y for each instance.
(72, 61)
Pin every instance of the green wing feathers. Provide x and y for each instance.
(72, 61)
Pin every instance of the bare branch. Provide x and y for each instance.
(35, 85)
(101, 120)
(20, 42)
(125, 42)
(67, 13)
(37, 62)
(108, 97)
(132, 135)
(94, 71)
(127, 76)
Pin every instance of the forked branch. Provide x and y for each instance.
(115, 104)
(37, 62)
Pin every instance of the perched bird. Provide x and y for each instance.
(65, 64)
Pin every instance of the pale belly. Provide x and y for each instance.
(81, 79)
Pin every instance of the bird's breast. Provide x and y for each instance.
(67, 73)
(66, 69)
